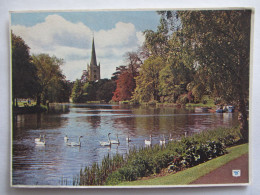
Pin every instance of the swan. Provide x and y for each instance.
(185, 135)
(115, 141)
(66, 138)
(148, 142)
(41, 143)
(128, 139)
(106, 143)
(170, 139)
(38, 139)
(75, 143)
(162, 142)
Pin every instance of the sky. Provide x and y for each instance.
(68, 35)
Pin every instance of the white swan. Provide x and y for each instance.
(66, 138)
(41, 143)
(38, 139)
(170, 139)
(128, 139)
(148, 142)
(162, 142)
(115, 141)
(75, 143)
(106, 143)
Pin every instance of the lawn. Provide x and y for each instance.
(189, 175)
(210, 103)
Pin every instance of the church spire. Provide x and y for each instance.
(93, 61)
(93, 70)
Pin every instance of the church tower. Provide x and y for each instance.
(92, 68)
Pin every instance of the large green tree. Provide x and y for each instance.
(77, 92)
(147, 83)
(220, 44)
(50, 77)
(24, 78)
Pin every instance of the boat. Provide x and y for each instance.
(231, 109)
(219, 110)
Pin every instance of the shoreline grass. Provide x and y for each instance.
(191, 174)
(146, 161)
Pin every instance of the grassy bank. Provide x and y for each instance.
(189, 175)
(147, 161)
(208, 103)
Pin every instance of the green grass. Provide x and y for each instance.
(21, 104)
(189, 175)
(210, 103)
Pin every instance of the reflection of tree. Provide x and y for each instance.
(94, 121)
(125, 123)
(37, 121)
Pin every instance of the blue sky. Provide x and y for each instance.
(68, 35)
(95, 19)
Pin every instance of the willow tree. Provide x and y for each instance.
(220, 41)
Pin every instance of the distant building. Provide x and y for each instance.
(93, 70)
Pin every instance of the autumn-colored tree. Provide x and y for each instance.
(125, 87)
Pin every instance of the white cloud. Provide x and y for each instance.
(72, 42)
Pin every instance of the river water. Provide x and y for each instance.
(56, 162)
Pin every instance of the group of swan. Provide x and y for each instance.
(163, 141)
(110, 142)
(38, 141)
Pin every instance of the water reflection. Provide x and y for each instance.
(49, 164)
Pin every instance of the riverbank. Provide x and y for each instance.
(216, 171)
(175, 156)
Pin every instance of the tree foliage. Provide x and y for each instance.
(101, 90)
(24, 78)
(76, 92)
(50, 77)
(125, 87)
(147, 83)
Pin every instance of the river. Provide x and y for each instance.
(55, 162)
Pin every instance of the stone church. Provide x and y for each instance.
(93, 70)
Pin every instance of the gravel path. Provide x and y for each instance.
(223, 174)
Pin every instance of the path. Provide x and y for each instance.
(223, 174)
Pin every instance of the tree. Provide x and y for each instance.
(24, 78)
(125, 87)
(175, 76)
(104, 89)
(147, 83)
(76, 91)
(126, 77)
(134, 62)
(119, 70)
(49, 75)
(221, 42)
